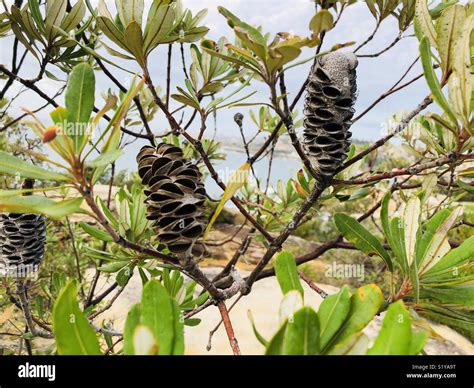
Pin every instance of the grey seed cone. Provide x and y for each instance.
(22, 238)
(175, 195)
(331, 95)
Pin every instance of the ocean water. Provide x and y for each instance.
(283, 168)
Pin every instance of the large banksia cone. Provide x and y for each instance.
(175, 195)
(328, 112)
(22, 238)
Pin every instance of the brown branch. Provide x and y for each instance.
(228, 328)
(401, 127)
(312, 285)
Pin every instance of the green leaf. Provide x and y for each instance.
(162, 315)
(235, 183)
(12, 165)
(106, 158)
(429, 229)
(55, 12)
(129, 11)
(275, 346)
(398, 243)
(356, 234)
(418, 341)
(439, 244)
(454, 258)
(355, 345)
(80, 101)
(33, 5)
(302, 333)
(73, 333)
(132, 321)
(332, 313)
(287, 273)
(41, 205)
(134, 41)
(97, 233)
(432, 79)
(321, 21)
(461, 82)
(435, 13)
(449, 27)
(423, 24)
(365, 304)
(411, 218)
(257, 334)
(74, 17)
(395, 336)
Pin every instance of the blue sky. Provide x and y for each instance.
(375, 75)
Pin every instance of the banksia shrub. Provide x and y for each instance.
(329, 110)
(175, 195)
(22, 238)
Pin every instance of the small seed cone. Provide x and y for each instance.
(175, 195)
(328, 112)
(22, 238)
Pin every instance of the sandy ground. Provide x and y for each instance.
(264, 302)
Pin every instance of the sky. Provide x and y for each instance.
(375, 75)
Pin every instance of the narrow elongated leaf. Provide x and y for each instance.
(439, 245)
(449, 26)
(287, 273)
(74, 17)
(12, 165)
(161, 314)
(332, 313)
(302, 333)
(432, 79)
(129, 11)
(97, 233)
(73, 333)
(397, 244)
(80, 101)
(134, 42)
(41, 205)
(356, 234)
(55, 11)
(257, 334)
(106, 158)
(456, 257)
(411, 218)
(461, 82)
(395, 336)
(423, 23)
(236, 181)
(429, 229)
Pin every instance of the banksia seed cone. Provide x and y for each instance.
(329, 110)
(175, 195)
(22, 238)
